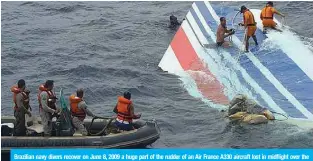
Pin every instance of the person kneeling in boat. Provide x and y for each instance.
(267, 16)
(21, 107)
(248, 111)
(125, 112)
(222, 33)
(47, 107)
(79, 111)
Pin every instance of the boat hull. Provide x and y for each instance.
(146, 133)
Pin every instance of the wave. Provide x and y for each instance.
(66, 9)
(100, 21)
(5, 71)
(87, 71)
(44, 31)
(33, 4)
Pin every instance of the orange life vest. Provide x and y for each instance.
(51, 96)
(249, 21)
(123, 112)
(267, 13)
(75, 111)
(16, 91)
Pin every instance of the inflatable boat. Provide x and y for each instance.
(102, 134)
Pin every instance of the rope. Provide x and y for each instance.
(283, 22)
(281, 115)
(245, 39)
(103, 130)
(234, 20)
(237, 27)
(243, 110)
(230, 38)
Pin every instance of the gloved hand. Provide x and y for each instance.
(232, 31)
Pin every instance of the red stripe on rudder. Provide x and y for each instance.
(183, 49)
(190, 62)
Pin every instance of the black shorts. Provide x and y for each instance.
(220, 43)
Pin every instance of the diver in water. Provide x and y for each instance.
(248, 111)
(174, 22)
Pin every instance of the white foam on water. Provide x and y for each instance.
(308, 42)
(204, 78)
(295, 49)
(291, 44)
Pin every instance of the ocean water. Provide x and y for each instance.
(110, 47)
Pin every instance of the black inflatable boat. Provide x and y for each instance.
(102, 135)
